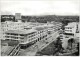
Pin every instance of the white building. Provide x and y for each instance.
(9, 25)
(32, 35)
(71, 28)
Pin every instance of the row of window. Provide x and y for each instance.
(14, 37)
(9, 25)
(38, 38)
(11, 28)
(69, 30)
(37, 33)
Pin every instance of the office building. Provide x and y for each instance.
(9, 25)
(71, 28)
(33, 35)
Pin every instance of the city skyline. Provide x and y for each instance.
(46, 7)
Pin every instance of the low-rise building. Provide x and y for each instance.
(71, 28)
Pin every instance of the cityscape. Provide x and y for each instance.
(39, 35)
(37, 39)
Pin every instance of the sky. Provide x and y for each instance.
(40, 7)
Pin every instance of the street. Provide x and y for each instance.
(31, 51)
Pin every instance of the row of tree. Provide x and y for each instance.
(43, 19)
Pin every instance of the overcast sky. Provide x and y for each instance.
(40, 7)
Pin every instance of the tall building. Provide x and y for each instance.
(18, 17)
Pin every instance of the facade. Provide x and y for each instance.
(33, 35)
(9, 25)
(25, 37)
(71, 28)
(17, 16)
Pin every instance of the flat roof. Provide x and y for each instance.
(42, 27)
(39, 28)
(21, 31)
(73, 24)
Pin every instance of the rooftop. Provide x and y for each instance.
(73, 24)
(39, 28)
(21, 31)
(42, 27)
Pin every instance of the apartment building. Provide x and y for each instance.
(9, 25)
(71, 28)
(25, 36)
(31, 35)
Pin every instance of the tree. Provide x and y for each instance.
(58, 43)
(70, 42)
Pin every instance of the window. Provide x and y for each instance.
(70, 30)
(66, 30)
(16, 38)
(38, 39)
(21, 38)
(21, 35)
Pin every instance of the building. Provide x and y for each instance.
(33, 35)
(18, 17)
(71, 28)
(9, 25)
(25, 37)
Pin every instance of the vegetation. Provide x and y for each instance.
(7, 18)
(52, 49)
(64, 19)
(70, 42)
(43, 19)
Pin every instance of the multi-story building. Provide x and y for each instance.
(9, 25)
(31, 35)
(26, 36)
(71, 28)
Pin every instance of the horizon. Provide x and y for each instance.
(41, 15)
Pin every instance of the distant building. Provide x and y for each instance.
(71, 28)
(7, 18)
(18, 17)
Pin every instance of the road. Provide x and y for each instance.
(31, 51)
